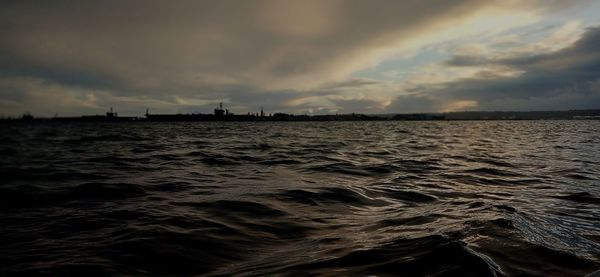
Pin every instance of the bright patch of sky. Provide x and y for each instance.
(501, 33)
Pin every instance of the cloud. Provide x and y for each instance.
(146, 45)
(563, 79)
(467, 60)
(357, 105)
(22, 95)
(264, 52)
(351, 83)
(414, 104)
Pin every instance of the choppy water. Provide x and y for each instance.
(333, 198)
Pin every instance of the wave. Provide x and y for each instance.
(324, 196)
(581, 197)
(431, 255)
(224, 198)
(351, 169)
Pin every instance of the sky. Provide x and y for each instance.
(70, 58)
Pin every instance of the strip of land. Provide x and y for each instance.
(471, 115)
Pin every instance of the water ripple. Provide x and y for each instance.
(291, 198)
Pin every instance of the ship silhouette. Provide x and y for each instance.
(221, 114)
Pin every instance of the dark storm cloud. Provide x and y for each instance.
(564, 79)
(466, 60)
(131, 43)
(204, 51)
(351, 83)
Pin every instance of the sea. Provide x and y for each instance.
(391, 198)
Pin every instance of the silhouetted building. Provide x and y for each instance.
(27, 116)
(111, 114)
(219, 111)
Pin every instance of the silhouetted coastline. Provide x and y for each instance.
(221, 114)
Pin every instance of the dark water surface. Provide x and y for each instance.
(333, 198)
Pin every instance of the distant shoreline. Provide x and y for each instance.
(592, 114)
